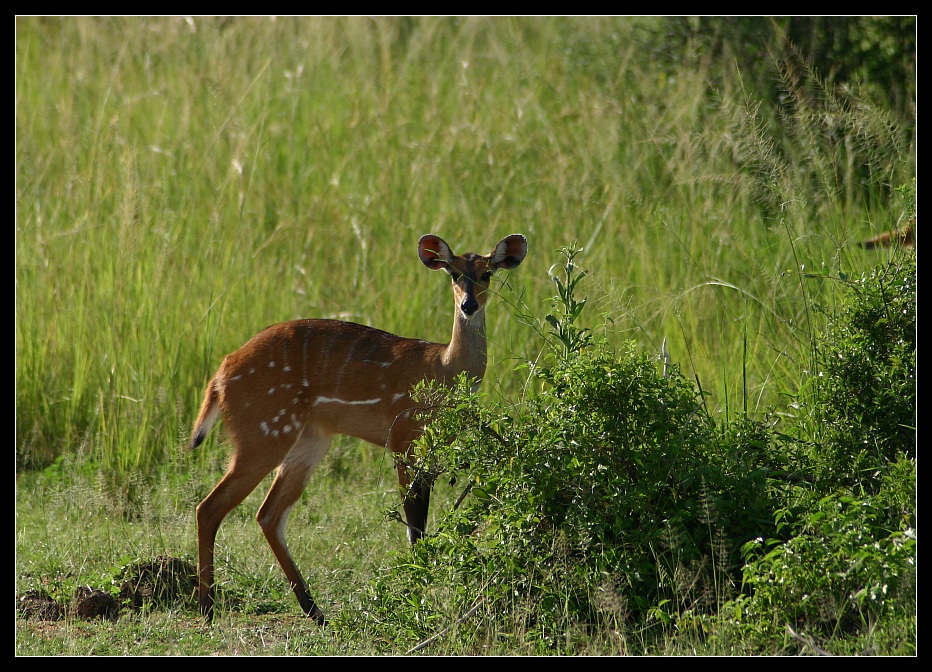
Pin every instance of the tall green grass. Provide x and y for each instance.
(183, 183)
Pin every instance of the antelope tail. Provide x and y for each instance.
(207, 416)
(902, 237)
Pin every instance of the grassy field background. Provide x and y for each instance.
(183, 182)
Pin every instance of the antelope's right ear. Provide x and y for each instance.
(434, 253)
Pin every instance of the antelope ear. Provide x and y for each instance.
(434, 253)
(510, 252)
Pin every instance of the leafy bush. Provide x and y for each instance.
(846, 553)
(866, 403)
(611, 498)
(840, 573)
(611, 501)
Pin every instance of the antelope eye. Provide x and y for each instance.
(486, 277)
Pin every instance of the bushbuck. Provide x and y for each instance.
(287, 391)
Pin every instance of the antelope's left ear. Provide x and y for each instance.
(509, 253)
(434, 253)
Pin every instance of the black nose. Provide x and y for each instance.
(469, 305)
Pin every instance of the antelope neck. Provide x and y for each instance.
(467, 348)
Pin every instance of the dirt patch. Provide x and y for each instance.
(164, 582)
(38, 605)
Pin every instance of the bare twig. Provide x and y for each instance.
(807, 641)
(427, 642)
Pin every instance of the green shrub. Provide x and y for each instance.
(844, 556)
(867, 401)
(610, 499)
(841, 572)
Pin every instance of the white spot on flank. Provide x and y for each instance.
(252, 371)
(235, 377)
(286, 429)
(286, 368)
(272, 390)
(396, 397)
(304, 383)
(272, 364)
(264, 427)
(331, 400)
